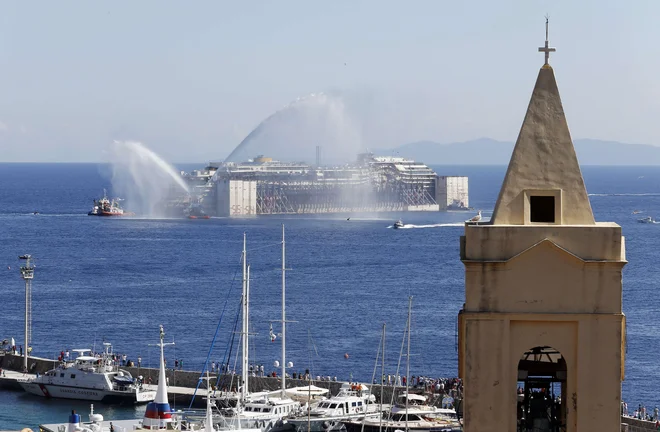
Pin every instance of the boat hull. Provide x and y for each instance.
(389, 427)
(106, 396)
(108, 214)
(323, 424)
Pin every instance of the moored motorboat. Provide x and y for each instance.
(353, 402)
(411, 413)
(414, 420)
(93, 378)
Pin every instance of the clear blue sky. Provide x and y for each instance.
(191, 79)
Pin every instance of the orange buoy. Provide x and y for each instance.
(346, 356)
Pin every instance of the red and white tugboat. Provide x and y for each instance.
(196, 211)
(107, 207)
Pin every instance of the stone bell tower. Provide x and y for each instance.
(541, 334)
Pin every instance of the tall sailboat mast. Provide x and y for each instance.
(283, 313)
(408, 361)
(382, 382)
(245, 328)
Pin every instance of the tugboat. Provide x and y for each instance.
(398, 224)
(106, 207)
(196, 211)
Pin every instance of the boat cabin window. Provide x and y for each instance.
(402, 417)
(360, 403)
(73, 376)
(62, 375)
(354, 404)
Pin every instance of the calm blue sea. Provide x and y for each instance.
(116, 280)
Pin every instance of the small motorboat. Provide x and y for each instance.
(398, 224)
(648, 220)
(636, 211)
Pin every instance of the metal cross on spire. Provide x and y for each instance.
(546, 49)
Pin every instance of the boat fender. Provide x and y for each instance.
(326, 425)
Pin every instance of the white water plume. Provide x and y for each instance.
(143, 179)
(292, 133)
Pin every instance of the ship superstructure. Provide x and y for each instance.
(371, 184)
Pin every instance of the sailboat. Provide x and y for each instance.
(215, 423)
(410, 414)
(353, 402)
(265, 409)
(158, 415)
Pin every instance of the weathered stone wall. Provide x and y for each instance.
(35, 364)
(629, 424)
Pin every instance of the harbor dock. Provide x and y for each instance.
(182, 384)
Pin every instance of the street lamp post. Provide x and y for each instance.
(27, 273)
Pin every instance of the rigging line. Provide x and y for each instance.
(398, 365)
(373, 376)
(382, 372)
(228, 350)
(217, 329)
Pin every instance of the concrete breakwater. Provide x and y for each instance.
(630, 424)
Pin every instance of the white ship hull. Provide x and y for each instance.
(329, 423)
(89, 394)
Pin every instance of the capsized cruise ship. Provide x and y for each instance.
(373, 183)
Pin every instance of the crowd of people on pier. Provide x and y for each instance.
(450, 386)
(641, 413)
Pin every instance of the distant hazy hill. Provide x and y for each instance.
(486, 151)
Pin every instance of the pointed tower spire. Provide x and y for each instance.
(543, 183)
(158, 412)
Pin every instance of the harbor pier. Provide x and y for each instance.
(182, 383)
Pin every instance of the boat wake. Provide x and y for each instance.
(68, 215)
(623, 194)
(412, 226)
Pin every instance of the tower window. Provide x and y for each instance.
(542, 209)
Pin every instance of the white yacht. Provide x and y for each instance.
(412, 421)
(411, 402)
(353, 402)
(88, 377)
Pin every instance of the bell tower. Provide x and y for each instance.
(542, 332)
